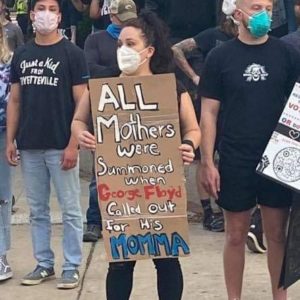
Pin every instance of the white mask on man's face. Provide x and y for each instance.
(129, 59)
(45, 21)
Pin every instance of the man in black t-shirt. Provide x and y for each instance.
(250, 76)
(48, 76)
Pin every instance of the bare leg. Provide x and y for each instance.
(236, 230)
(275, 223)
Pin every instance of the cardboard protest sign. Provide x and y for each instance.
(139, 167)
(281, 159)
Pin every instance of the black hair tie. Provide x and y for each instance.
(189, 142)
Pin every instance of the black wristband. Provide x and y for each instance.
(189, 142)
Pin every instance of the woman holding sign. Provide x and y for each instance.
(144, 50)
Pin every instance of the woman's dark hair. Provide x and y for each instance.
(155, 32)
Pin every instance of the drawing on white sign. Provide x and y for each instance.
(264, 162)
(294, 134)
(286, 164)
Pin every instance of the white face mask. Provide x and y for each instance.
(129, 59)
(45, 21)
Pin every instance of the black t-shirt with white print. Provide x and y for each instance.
(252, 83)
(46, 75)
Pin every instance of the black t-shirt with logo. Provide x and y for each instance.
(252, 83)
(46, 75)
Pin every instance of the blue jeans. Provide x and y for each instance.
(38, 167)
(5, 197)
(93, 215)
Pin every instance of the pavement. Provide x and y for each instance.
(202, 271)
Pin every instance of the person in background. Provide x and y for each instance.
(283, 18)
(70, 19)
(293, 39)
(14, 39)
(103, 62)
(279, 25)
(100, 51)
(21, 8)
(146, 39)
(99, 13)
(185, 20)
(14, 35)
(290, 267)
(290, 14)
(48, 77)
(5, 174)
(205, 41)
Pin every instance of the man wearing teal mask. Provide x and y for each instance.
(259, 23)
(250, 77)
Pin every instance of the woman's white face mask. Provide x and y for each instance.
(129, 59)
(45, 21)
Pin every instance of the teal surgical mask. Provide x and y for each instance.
(259, 24)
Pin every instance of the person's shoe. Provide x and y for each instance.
(5, 269)
(92, 233)
(69, 279)
(207, 218)
(213, 222)
(255, 241)
(217, 223)
(37, 276)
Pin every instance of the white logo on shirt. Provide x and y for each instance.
(255, 72)
(35, 72)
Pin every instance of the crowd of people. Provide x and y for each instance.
(235, 61)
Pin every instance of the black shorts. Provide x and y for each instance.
(242, 188)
